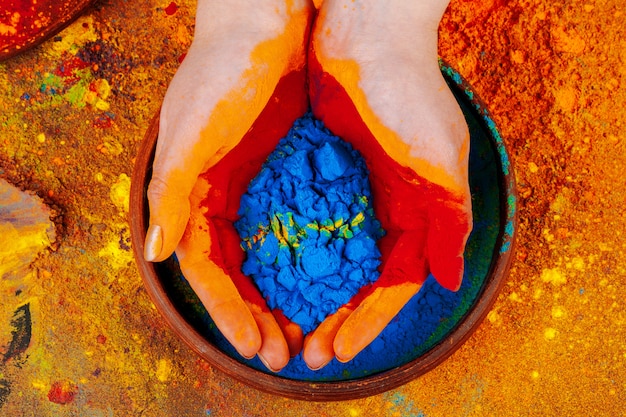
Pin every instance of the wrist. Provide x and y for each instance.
(245, 18)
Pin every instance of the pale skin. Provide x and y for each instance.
(384, 53)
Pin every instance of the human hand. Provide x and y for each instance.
(382, 90)
(241, 50)
(238, 91)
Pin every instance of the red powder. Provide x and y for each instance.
(68, 69)
(171, 9)
(62, 393)
(412, 211)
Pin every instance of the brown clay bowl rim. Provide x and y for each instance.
(48, 31)
(334, 390)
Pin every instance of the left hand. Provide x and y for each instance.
(209, 252)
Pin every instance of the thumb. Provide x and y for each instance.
(175, 171)
(450, 224)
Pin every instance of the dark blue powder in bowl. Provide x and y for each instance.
(307, 225)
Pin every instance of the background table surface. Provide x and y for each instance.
(74, 109)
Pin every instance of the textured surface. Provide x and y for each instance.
(90, 343)
(308, 227)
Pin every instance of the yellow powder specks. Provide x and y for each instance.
(164, 370)
(547, 235)
(557, 312)
(534, 374)
(532, 167)
(550, 333)
(41, 138)
(74, 37)
(183, 36)
(110, 146)
(118, 257)
(98, 96)
(120, 193)
(553, 276)
(39, 385)
(561, 202)
(518, 56)
(515, 297)
(12, 28)
(98, 177)
(494, 318)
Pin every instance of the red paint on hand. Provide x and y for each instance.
(403, 201)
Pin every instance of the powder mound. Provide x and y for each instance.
(307, 225)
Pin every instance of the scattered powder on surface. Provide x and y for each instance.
(308, 226)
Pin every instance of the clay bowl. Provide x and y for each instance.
(488, 256)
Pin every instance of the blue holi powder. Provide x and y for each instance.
(307, 225)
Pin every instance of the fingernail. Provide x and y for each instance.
(154, 243)
(344, 359)
(317, 367)
(267, 365)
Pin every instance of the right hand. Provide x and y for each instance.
(374, 80)
(246, 56)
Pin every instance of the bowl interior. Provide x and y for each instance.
(425, 332)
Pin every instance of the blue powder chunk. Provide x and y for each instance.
(286, 278)
(319, 262)
(357, 250)
(307, 225)
(298, 165)
(331, 160)
(268, 250)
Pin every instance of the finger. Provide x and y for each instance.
(274, 350)
(370, 318)
(318, 345)
(199, 261)
(405, 271)
(220, 297)
(292, 332)
(450, 224)
(176, 166)
(181, 154)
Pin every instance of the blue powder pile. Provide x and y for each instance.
(307, 225)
